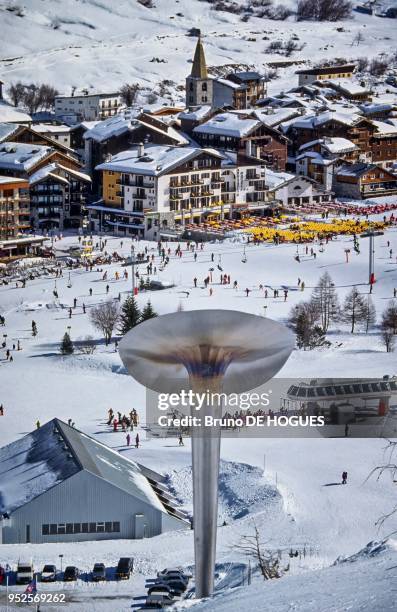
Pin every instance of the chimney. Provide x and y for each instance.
(141, 149)
(248, 148)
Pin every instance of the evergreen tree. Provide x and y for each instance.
(67, 347)
(325, 299)
(354, 309)
(148, 312)
(130, 315)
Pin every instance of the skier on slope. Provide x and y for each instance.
(344, 478)
(137, 441)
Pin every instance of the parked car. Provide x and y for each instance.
(171, 570)
(49, 573)
(175, 575)
(176, 586)
(125, 567)
(71, 573)
(99, 572)
(159, 600)
(25, 572)
(160, 587)
(391, 80)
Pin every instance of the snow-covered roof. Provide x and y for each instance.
(49, 455)
(4, 180)
(12, 114)
(274, 119)
(372, 108)
(111, 127)
(316, 158)
(349, 86)
(230, 84)
(312, 121)
(274, 180)
(384, 129)
(156, 160)
(43, 128)
(128, 122)
(227, 124)
(22, 156)
(332, 145)
(355, 170)
(56, 170)
(7, 130)
(197, 113)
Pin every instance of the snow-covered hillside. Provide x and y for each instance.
(103, 44)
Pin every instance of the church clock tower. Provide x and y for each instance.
(198, 84)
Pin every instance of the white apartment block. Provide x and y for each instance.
(87, 107)
(150, 191)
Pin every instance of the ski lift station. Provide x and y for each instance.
(59, 485)
(343, 400)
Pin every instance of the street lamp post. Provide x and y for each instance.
(61, 557)
(211, 353)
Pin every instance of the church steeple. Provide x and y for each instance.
(199, 67)
(199, 85)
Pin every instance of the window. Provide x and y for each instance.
(100, 527)
(116, 527)
(76, 528)
(92, 527)
(84, 527)
(53, 529)
(61, 528)
(204, 87)
(108, 527)
(69, 527)
(45, 530)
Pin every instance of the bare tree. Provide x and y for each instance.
(389, 467)
(326, 300)
(253, 547)
(16, 92)
(378, 66)
(370, 313)
(389, 316)
(323, 10)
(354, 309)
(388, 339)
(129, 92)
(362, 64)
(105, 318)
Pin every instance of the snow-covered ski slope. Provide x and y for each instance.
(298, 502)
(100, 45)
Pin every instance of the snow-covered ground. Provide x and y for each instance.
(295, 503)
(101, 45)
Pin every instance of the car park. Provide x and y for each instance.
(99, 572)
(125, 567)
(49, 573)
(71, 573)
